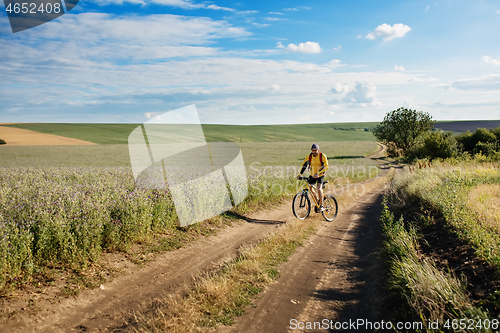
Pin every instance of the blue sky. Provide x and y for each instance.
(254, 62)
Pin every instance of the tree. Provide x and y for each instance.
(403, 128)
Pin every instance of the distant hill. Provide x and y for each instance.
(118, 133)
(467, 125)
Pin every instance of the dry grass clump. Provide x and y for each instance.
(431, 292)
(485, 201)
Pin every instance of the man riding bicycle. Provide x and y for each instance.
(318, 163)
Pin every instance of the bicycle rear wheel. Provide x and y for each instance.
(301, 205)
(331, 208)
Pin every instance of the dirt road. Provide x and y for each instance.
(331, 277)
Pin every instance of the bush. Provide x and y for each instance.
(465, 142)
(2, 142)
(437, 144)
(496, 132)
(440, 145)
(482, 141)
(486, 148)
(483, 135)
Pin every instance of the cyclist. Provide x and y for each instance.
(318, 163)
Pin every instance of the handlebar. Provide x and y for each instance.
(310, 177)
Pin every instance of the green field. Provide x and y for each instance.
(105, 134)
(266, 145)
(118, 133)
(117, 155)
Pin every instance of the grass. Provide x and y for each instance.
(118, 133)
(484, 200)
(428, 292)
(293, 153)
(446, 189)
(256, 154)
(448, 198)
(290, 133)
(112, 155)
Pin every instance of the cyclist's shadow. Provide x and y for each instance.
(251, 220)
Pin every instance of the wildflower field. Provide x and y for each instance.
(64, 206)
(443, 244)
(71, 215)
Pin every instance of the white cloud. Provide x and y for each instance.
(335, 63)
(307, 47)
(399, 68)
(139, 38)
(423, 79)
(340, 89)
(362, 94)
(491, 61)
(484, 83)
(273, 19)
(410, 104)
(296, 9)
(184, 4)
(388, 32)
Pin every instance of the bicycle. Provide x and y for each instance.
(301, 204)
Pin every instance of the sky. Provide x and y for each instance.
(254, 62)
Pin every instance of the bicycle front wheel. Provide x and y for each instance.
(301, 205)
(331, 208)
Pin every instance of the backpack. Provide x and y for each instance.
(320, 158)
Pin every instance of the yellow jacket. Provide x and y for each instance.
(316, 165)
